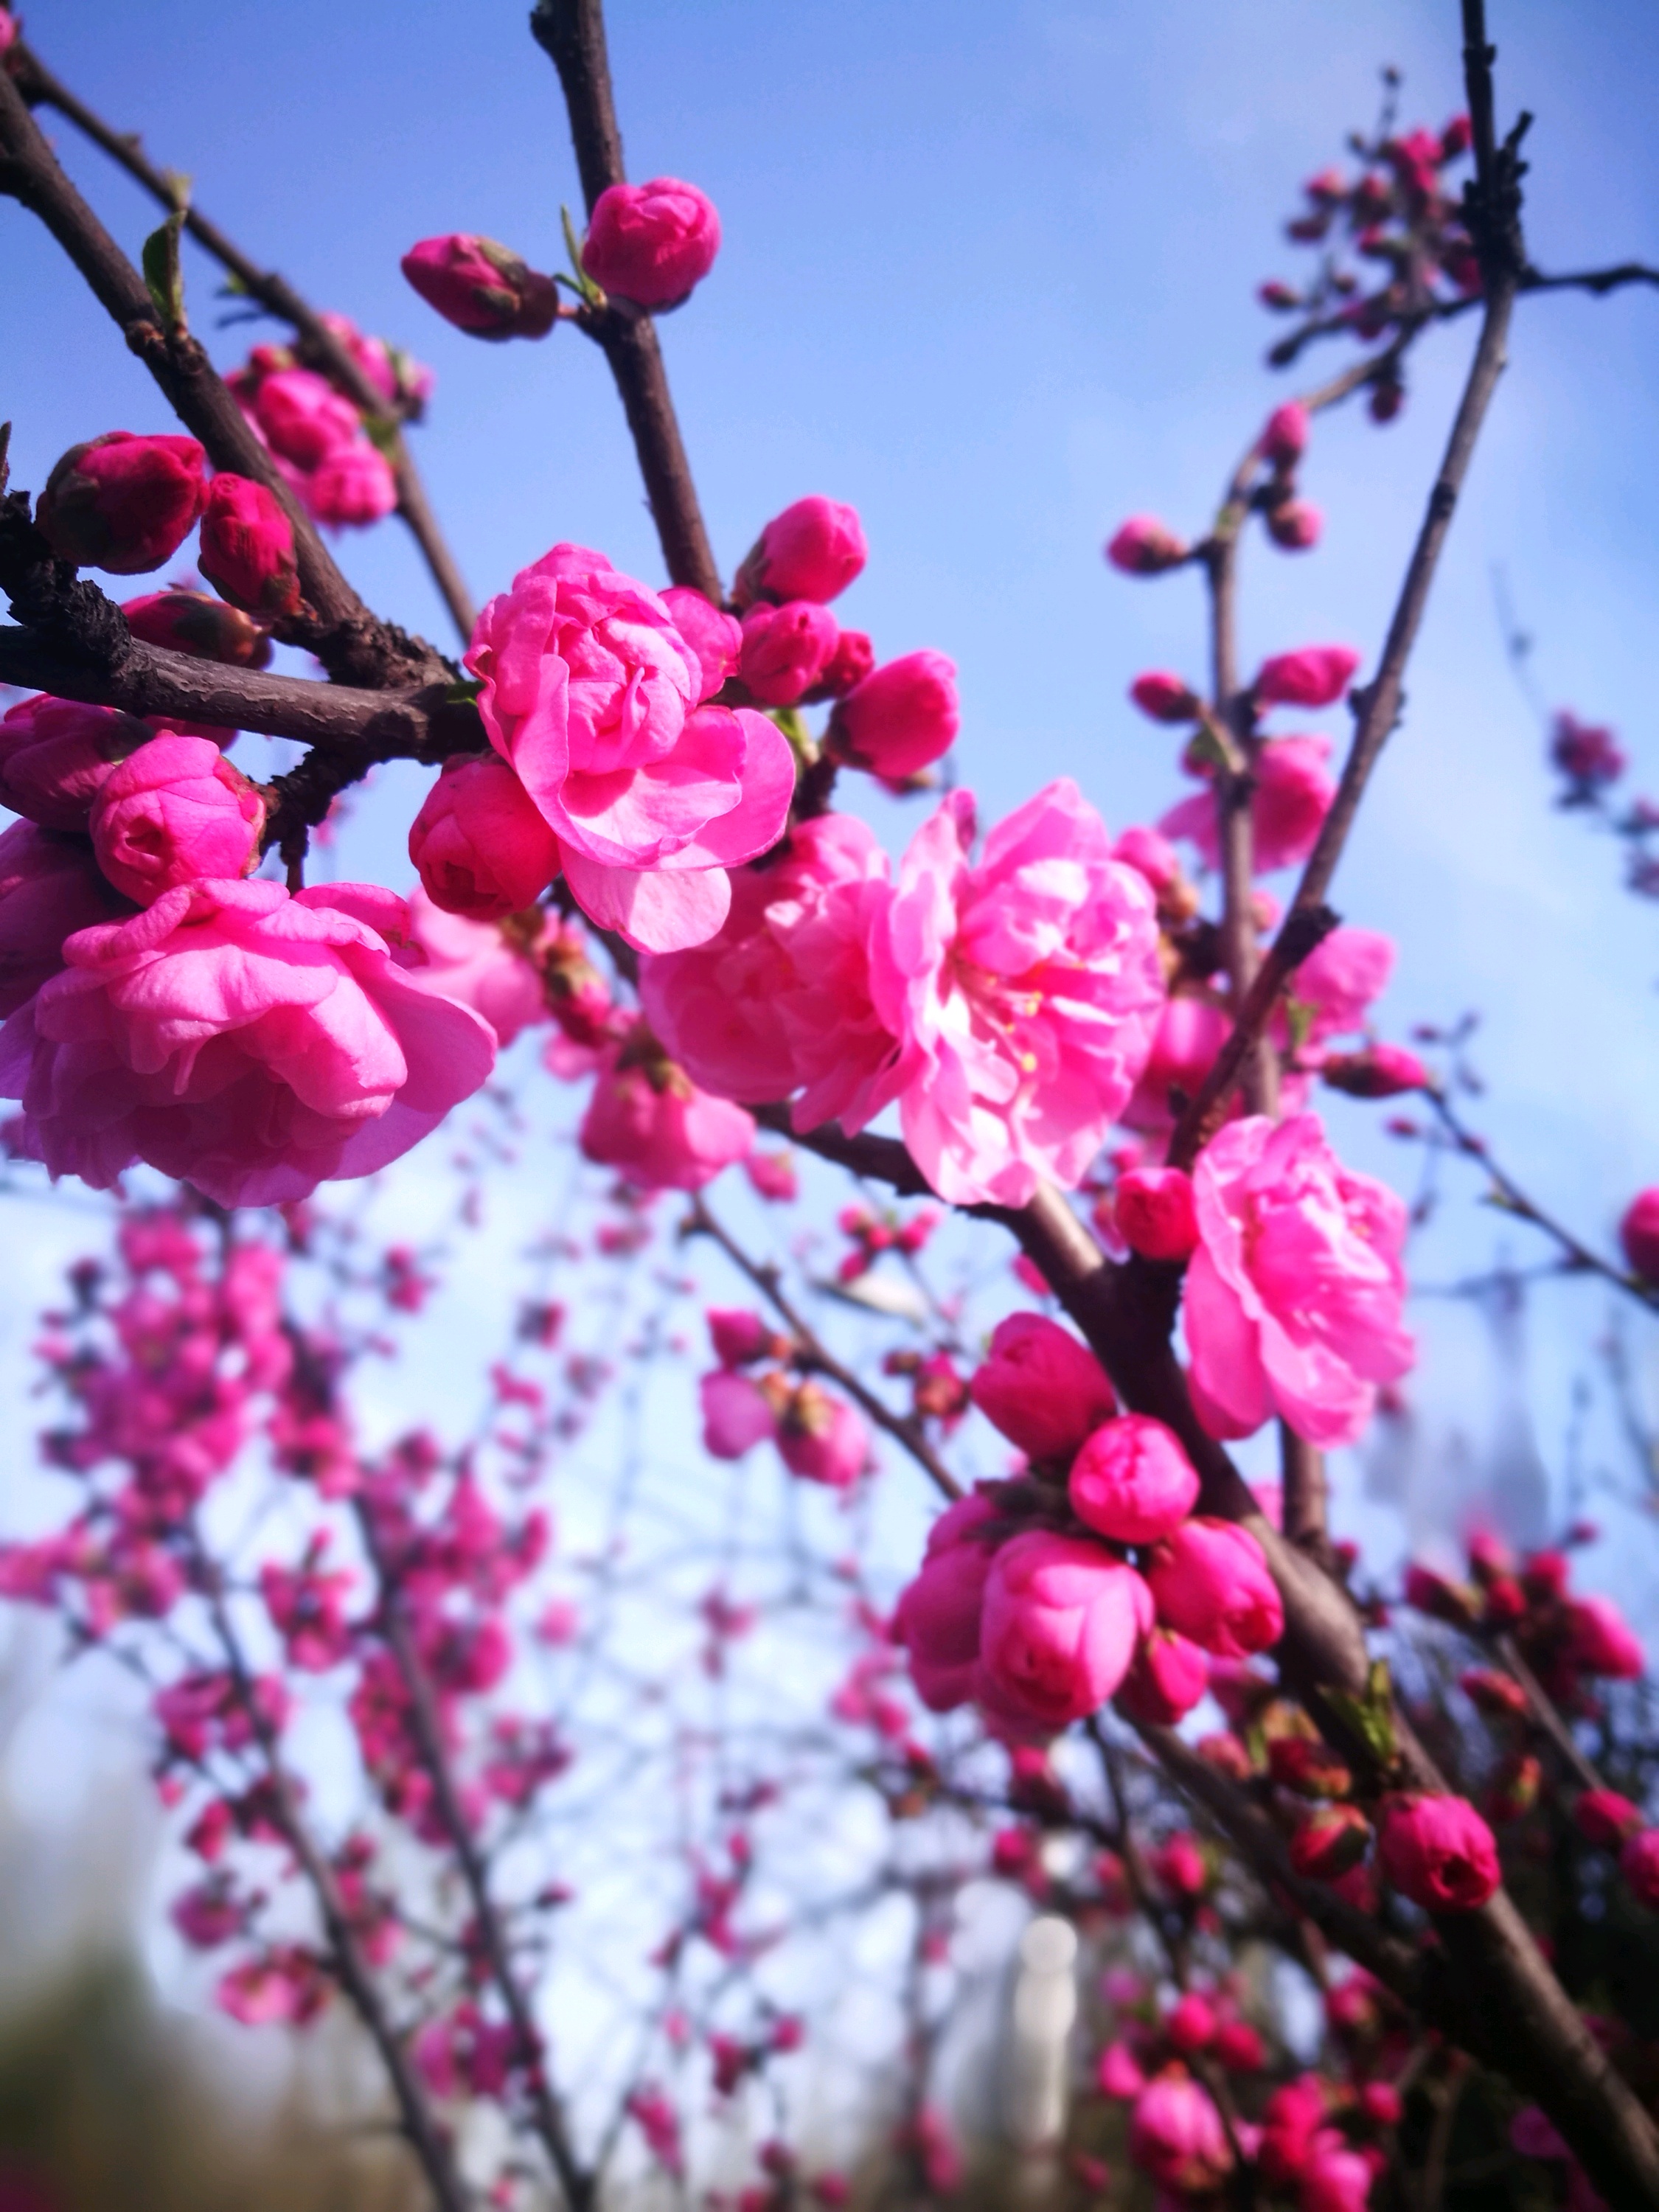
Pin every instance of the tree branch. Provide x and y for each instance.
(41, 88)
(572, 32)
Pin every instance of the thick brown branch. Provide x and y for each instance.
(572, 32)
(273, 292)
(336, 624)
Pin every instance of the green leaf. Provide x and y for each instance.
(1300, 1019)
(381, 431)
(164, 277)
(464, 693)
(1369, 1717)
(584, 285)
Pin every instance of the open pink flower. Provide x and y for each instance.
(1293, 796)
(649, 1120)
(589, 693)
(1026, 986)
(1294, 1296)
(779, 1002)
(251, 1043)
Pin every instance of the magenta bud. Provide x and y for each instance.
(353, 487)
(1284, 438)
(1330, 1842)
(1295, 524)
(1317, 675)
(1164, 698)
(1156, 1213)
(50, 887)
(812, 551)
(651, 243)
(1438, 1852)
(247, 547)
(55, 753)
(1132, 1481)
(1638, 1233)
(900, 718)
(303, 416)
(175, 813)
(482, 287)
(852, 660)
(785, 650)
(193, 622)
(122, 502)
(1381, 1071)
(1144, 546)
(480, 841)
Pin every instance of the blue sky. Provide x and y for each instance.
(988, 273)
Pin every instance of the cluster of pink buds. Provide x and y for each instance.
(1568, 1643)
(871, 1234)
(1590, 762)
(1396, 214)
(316, 433)
(819, 1436)
(1085, 1578)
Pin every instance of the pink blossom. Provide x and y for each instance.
(353, 486)
(735, 1414)
(1589, 757)
(477, 964)
(773, 1176)
(1210, 1582)
(174, 812)
(1294, 1297)
(1154, 1212)
(1639, 1861)
(1438, 1852)
(1043, 1390)
(1190, 2023)
(1285, 435)
(653, 243)
(1061, 1622)
(588, 692)
(1176, 2134)
(248, 546)
(781, 997)
(847, 666)
(1293, 796)
(937, 1615)
(303, 417)
(307, 1608)
(786, 649)
(1335, 2178)
(715, 638)
(206, 1914)
(190, 622)
(1638, 1234)
(1180, 1865)
(1189, 1034)
(1164, 698)
(1317, 675)
(1132, 1481)
(1144, 546)
(812, 551)
(251, 1042)
(1169, 1674)
(1295, 526)
(1339, 979)
(480, 842)
(900, 720)
(482, 287)
(1119, 2074)
(283, 1986)
(647, 1118)
(122, 502)
(1027, 986)
(822, 1438)
(1600, 1641)
(1380, 1070)
(1605, 1818)
(54, 754)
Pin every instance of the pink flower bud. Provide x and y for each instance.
(204, 627)
(247, 547)
(1119, 2074)
(1239, 2047)
(122, 502)
(1176, 2134)
(1331, 1840)
(176, 812)
(822, 1439)
(786, 650)
(1190, 2023)
(1210, 1581)
(715, 638)
(1060, 1623)
(1151, 856)
(848, 665)
(482, 287)
(1336, 2178)
(1600, 1641)
(1638, 1233)
(1132, 1481)
(1154, 1212)
(1438, 1852)
(1043, 1390)
(1639, 1864)
(50, 887)
(353, 486)
(812, 551)
(1381, 1071)
(1166, 698)
(1317, 676)
(651, 243)
(1295, 526)
(735, 1415)
(303, 417)
(937, 1619)
(480, 841)
(1285, 437)
(646, 1118)
(54, 754)
(1143, 546)
(1181, 1867)
(1167, 1680)
(738, 1335)
(901, 718)
(1602, 1817)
